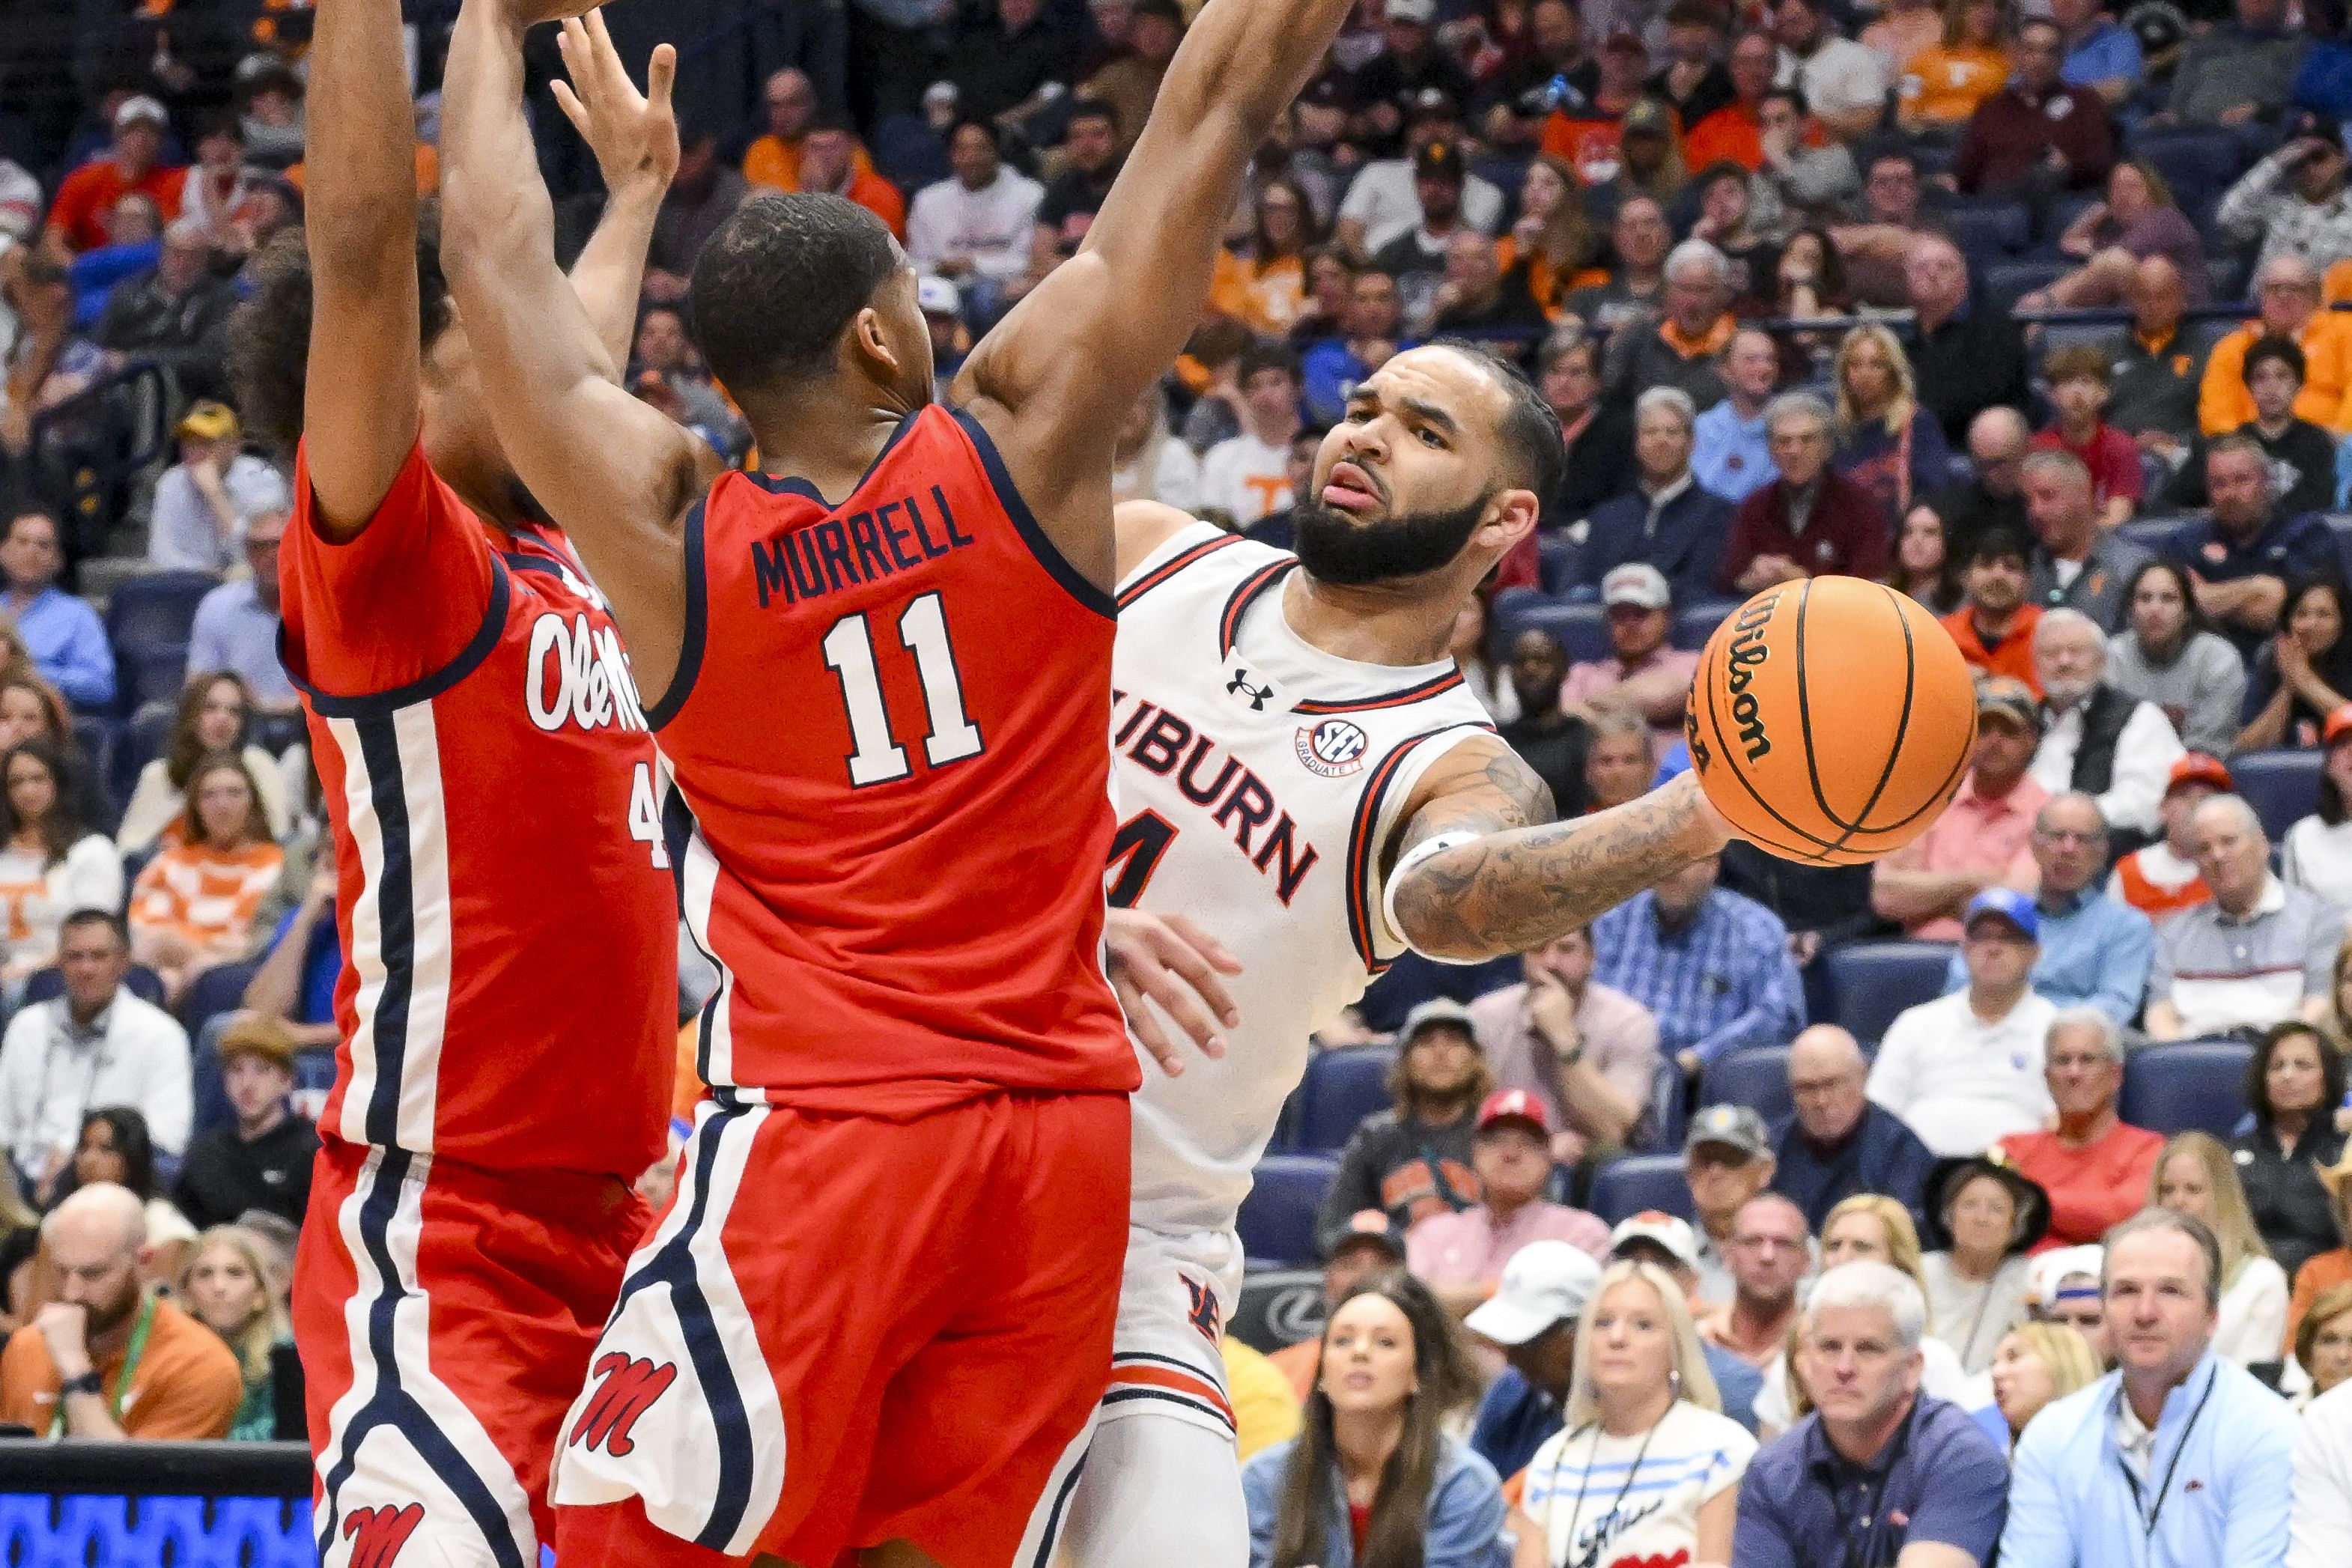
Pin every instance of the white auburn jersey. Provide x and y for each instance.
(1257, 779)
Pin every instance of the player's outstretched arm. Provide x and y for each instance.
(1522, 880)
(614, 472)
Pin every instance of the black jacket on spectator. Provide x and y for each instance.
(1968, 509)
(1599, 465)
(1387, 78)
(2156, 388)
(2289, 1206)
(1641, 359)
(1555, 746)
(1713, 91)
(1974, 362)
(2105, 713)
(1834, 900)
(188, 335)
(223, 1175)
(1407, 1169)
(2303, 469)
(1684, 539)
(1512, 310)
(2290, 547)
(1880, 1155)
(994, 71)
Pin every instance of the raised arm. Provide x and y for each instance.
(614, 472)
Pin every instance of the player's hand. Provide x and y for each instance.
(634, 134)
(1169, 960)
(64, 1328)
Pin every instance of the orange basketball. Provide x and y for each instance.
(1831, 720)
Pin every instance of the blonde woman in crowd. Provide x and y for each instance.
(1888, 444)
(228, 1286)
(215, 714)
(2194, 1175)
(2035, 1364)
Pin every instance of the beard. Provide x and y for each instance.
(1335, 549)
(2065, 694)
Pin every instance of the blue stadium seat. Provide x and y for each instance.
(142, 741)
(94, 736)
(1632, 1183)
(1341, 1088)
(156, 609)
(216, 991)
(2155, 533)
(1989, 233)
(48, 985)
(1757, 1078)
(2230, 273)
(2183, 1088)
(1872, 982)
(2198, 164)
(1582, 629)
(2007, 282)
(2060, 218)
(2282, 786)
(152, 672)
(1558, 560)
(1695, 622)
(1668, 1116)
(1277, 1218)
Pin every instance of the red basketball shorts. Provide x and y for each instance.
(445, 1316)
(849, 1331)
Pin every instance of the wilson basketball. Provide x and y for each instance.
(1831, 720)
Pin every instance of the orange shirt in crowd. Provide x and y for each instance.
(775, 162)
(1945, 84)
(185, 1388)
(1266, 302)
(2091, 1188)
(2224, 404)
(2015, 654)
(2336, 286)
(202, 893)
(1732, 134)
(85, 197)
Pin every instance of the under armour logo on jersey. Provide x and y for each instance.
(1241, 686)
(630, 1388)
(1204, 1314)
(377, 1535)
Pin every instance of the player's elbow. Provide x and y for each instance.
(1431, 913)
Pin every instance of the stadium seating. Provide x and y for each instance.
(2282, 786)
(220, 989)
(2155, 533)
(2187, 1087)
(148, 620)
(1667, 1106)
(1582, 629)
(1757, 1077)
(1695, 622)
(1872, 982)
(1558, 558)
(94, 738)
(1277, 1218)
(2198, 164)
(1341, 1088)
(2006, 283)
(142, 741)
(1632, 1183)
(48, 985)
(1989, 231)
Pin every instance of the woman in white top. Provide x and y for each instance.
(1982, 1218)
(51, 864)
(2194, 1175)
(1149, 464)
(1647, 1468)
(2317, 855)
(216, 715)
(1472, 645)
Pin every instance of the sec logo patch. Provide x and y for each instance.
(1334, 748)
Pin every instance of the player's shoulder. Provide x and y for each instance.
(1176, 544)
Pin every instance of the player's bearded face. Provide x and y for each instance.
(1336, 548)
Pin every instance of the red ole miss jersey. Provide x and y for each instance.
(891, 805)
(509, 923)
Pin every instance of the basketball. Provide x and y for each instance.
(1831, 720)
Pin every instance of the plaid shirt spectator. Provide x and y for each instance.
(1717, 981)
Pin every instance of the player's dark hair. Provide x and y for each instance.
(2000, 542)
(269, 335)
(1529, 430)
(777, 284)
(2271, 346)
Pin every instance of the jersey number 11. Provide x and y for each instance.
(849, 654)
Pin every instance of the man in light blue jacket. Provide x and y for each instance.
(2177, 1459)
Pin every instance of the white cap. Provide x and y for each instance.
(138, 107)
(1636, 582)
(1545, 1282)
(1422, 11)
(2046, 1270)
(937, 296)
(1675, 1235)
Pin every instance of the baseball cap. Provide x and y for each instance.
(1672, 1235)
(2008, 904)
(1647, 117)
(1436, 1010)
(1732, 1126)
(2044, 1273)
(2010, 697)
(1365, 1225)
(264, 1040)
(209, 421)
(1422, 11)
(1515, 1105)
(2200, 767)
(1544, 1283)
(138, 107)
(2339, 723)
(1431, 103)
(1636, 582)
(937, 296)
(1439, 160)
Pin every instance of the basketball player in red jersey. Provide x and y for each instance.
(509, 995)
(878, 1314)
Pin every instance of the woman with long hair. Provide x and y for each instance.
(1982, 1218)
(193, 906)
(2322, 1343)
(1372, 1480)
(1647, 1467)
(2037, 1364)
(51, 863)
(1331, 274)
(2317, 853)
(215, 714)
(1265, 288)
(2139, 219)
(1554, 239)
(1887, 443)
(226, 1285)
(2294, 1081)
(1947, 81)
(2168, 654)
(31, 707)
(2195, 1176)
(1809, 284)
(1924, 567)
(116, 1146)
(2303, 674)
(1148, 463)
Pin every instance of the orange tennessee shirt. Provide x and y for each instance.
(187, 1387)
(2224, 404)
(1945, 83)
(202, 893)
(2013, 657)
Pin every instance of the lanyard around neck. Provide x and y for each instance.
(131, 1354)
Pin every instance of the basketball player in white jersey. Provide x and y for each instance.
(1302, 773)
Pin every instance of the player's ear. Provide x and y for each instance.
(1510, 517)
(870, 340)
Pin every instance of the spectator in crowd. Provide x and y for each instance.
(1394, 1371)
(2322, 1483)
(1370, 334)
(1359, 1246)
(2036, 1365)
(2100, 54)
(192, 908)
(2117, 750)
(773, 158)
(1417, 256)
(2194, 1177)
(977, 228)
(2259, 953)
(1532, 1318)
(2288, 303)
(1478, 295)
(1771, 1250)
(2087, 1485)
(1968, 358)
(1384, 201)
(115, 1146)
(1414, 60)
(2326, 1270)
(2228, 74)
(2168, 654)
(2093, 1166)
(1413, 1160)
(262, 1161)
(2242, 556)
(2094, 951)
(665, 353)
(1554, 239)
(1648, 161)
(1983, 839)
(1839, 1142)
(1735, 131)
(1643, 675)
(1711, 966)
(62, 633)
(2066, 1290)
(1008, 66)
(202, 501)
(1694, 83)
(2159, 375)
(1672, 1244)
(1803, 176)
(215, 714)
(2322, 1345)
(1639, 236)
(1587, 1052)
(95, 1044)
(1248, 477)
(1589, 130)
(1964, 1069)
(1845, 81)
(1263, 287)
(1548, 740)
(2295, 201)
(833, 163)
(1150, 462)
(30, 708)
(1922, 567)
(175, 314)
(2139, 222)
(1128, 79)
(1887, 443)
(1729, 219)
(1668, 527)
(2302, 455)
(1599, 434)
(51, 863)
(1994, 496)
(1810, 519)
(236, 628)
(227, 1287)
(1731, 455)
(1982, 1219)
(2035, 135)
(1461, 1255)
(2110, 459)
(70, 1372)
(1947, 81)
(2317, 854)
(1621, 760)
(942, 309)
(1905, 29)
(2294, 1081)
(1684, 349)
(133, 162)
(1726, 1160)
(1643, 1392)
(1918, 1468)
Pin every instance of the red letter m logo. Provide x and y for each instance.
(629, 1391)
(377, 1535)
